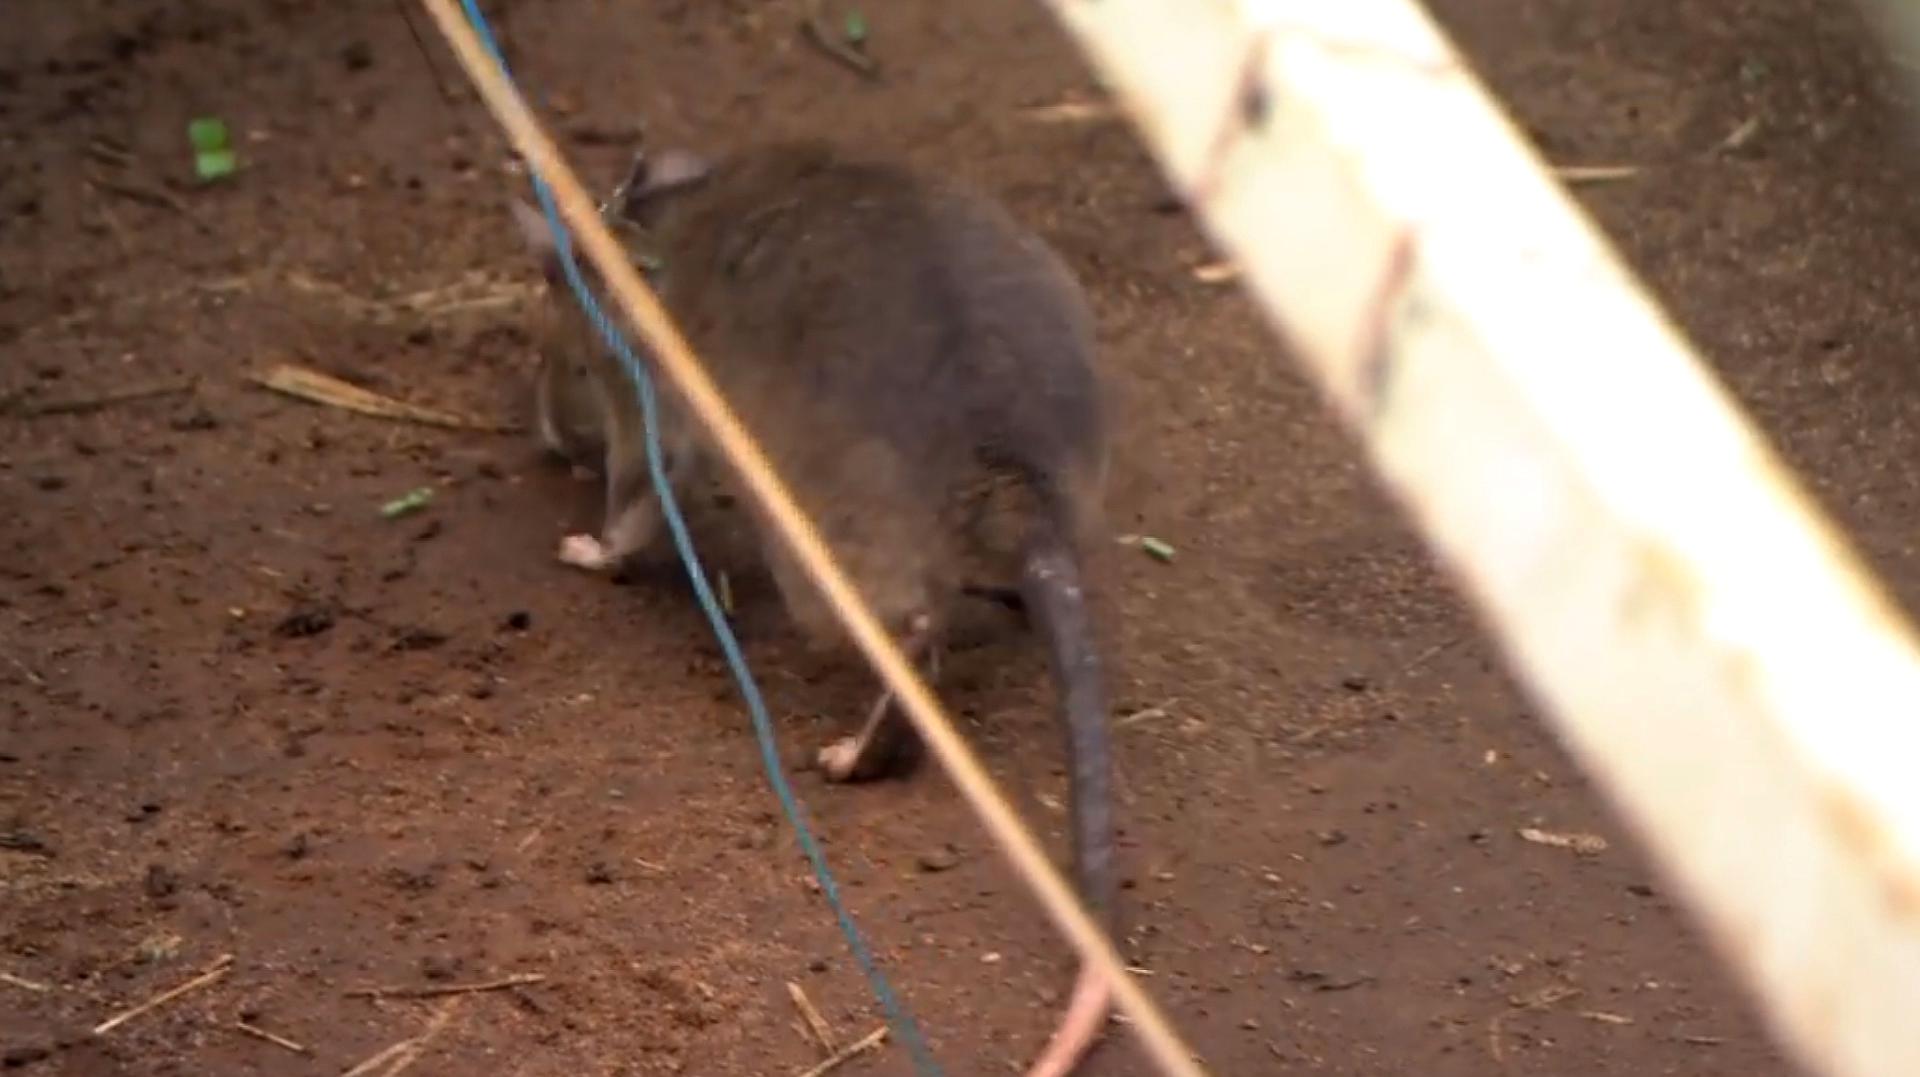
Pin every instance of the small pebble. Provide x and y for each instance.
(942, 859)
(307, 620)
(437, 967)
(24, 1055)
(195, 420)
(411, 880)
(161, 882)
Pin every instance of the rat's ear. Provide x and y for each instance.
(652, 178)
(534, 230)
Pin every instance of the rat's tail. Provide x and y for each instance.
(1055, 598)
(1079, 1027)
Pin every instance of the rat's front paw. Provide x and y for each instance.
(584, 551)
(839, 759)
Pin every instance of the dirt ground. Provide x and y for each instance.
(245, 714)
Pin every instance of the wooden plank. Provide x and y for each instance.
(1706, 643)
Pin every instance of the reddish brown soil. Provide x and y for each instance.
(244, 714)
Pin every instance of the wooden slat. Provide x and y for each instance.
(1705, 642)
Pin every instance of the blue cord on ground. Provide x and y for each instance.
(902, 1023)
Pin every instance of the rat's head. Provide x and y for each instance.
(575, 361)
(562, 329)
(646, 192)
(654, 180)
(568, 411)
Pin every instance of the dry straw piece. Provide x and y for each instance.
(312, 386)
(220, 967)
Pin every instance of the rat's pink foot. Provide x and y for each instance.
(584, 551)
(583, 473)
(838, 759)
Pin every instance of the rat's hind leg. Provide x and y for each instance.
(897, 590)
(887, 743)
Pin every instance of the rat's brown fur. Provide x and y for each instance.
(919, 369)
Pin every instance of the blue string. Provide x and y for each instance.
(902, 1023)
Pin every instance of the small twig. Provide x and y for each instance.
(84, 404)
(219, 968)
(109, 154)
(1071, 112)
(23, 983)
(317, 388)
(1494, 1047)
(1583, 844)
(1145, 714)
(816, 1024)
(278, 1041)
(1539, 1000)
(406, 15)
(1428, 655)
(378, 1059)
(1739, 136)
(418, 1045)
(501, 984)
(470, 293)
(112, 221)
(814, 29)
(148, 196)
(27, 672)
(850, 1051)
(1221, 272)
(1578, 174)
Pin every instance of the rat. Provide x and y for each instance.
(920, 369)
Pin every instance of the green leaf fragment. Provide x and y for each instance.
(213, 156)
(411, 501)
(215, 164)
(1155, 548)
(208, 134)
(856, 27)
